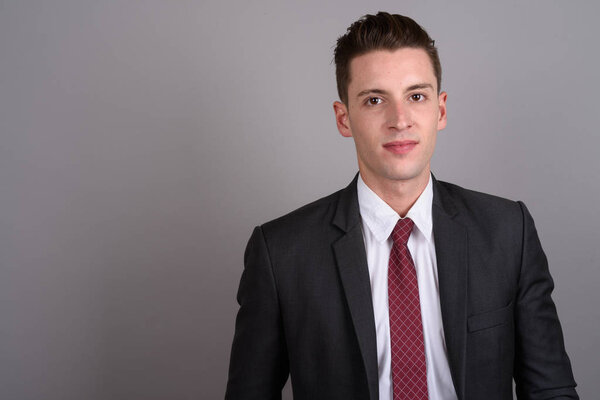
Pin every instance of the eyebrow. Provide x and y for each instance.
(408, 89)
(420, 86)
(369, 91)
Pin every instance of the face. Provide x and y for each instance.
(393, 114)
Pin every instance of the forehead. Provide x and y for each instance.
(390, 69)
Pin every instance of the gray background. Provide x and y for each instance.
(141, 141)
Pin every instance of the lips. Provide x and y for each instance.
(400, 146)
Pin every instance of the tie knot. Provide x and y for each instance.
(402, 231)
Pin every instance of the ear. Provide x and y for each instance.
(442, 108)
(341, 119)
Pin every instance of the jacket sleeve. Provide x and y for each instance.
(542, 369)
(258, 366)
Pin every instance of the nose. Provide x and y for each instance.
(399, 117)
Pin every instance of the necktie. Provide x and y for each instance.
(409, 371)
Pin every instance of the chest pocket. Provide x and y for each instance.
(490, 319)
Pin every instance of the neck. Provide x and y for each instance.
(398, 194)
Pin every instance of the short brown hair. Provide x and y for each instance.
(383, 31)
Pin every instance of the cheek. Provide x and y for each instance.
(431, 144)
(369, 129)
(366, 147)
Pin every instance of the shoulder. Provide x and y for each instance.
(302, 235)
(317, 212)
(339, 208)
(467, 198)
(315, 224)
(476, 208)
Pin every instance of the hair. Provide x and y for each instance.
(383, 31)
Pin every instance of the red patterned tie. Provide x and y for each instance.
(409, 371)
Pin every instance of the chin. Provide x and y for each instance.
(405, 175)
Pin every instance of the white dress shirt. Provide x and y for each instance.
(378, 221)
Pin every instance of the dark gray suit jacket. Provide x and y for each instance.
(306, 308)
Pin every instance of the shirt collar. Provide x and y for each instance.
(380, 218)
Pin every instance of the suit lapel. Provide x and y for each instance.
(351, 261)
(451, 253)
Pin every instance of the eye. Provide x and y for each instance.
(373, 101)
(417, 97)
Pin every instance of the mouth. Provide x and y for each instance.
(400, 146)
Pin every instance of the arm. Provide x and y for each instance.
(258, 367)
(542, 369)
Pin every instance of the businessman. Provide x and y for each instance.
(399, 286)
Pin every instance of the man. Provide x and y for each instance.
(398, 286)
